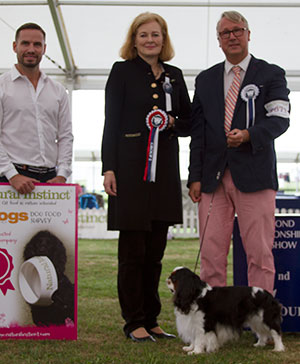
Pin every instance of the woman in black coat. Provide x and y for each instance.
(144, 96)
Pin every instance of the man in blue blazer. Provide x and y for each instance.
(233, 167)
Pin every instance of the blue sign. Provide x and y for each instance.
(286, 251)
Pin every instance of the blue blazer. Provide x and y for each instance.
(252, 164)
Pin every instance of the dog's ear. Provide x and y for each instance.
(187, 290)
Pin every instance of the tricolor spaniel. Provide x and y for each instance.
(207, 317)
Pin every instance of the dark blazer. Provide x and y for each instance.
(131, 93)
(252, 164)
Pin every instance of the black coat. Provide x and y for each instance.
(131, 93)
(252, 164)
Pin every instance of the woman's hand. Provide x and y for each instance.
(110, 183)
(171, 121)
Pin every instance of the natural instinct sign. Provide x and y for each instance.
(38, 262)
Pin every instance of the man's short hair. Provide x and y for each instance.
(233, 16)
(30, 26)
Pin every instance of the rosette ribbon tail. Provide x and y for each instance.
(150, 169)
(154, 159)
(6, 286)
(250, 113)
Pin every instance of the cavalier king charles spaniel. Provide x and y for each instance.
(207, 317)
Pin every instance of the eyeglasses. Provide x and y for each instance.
(238, 32)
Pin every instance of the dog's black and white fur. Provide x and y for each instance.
(207, 317)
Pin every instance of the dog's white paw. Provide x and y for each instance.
(279, 347)
(279, 350)
(278, 344)
(211, 349)
(195, 352)
(188, 348)
(212, 344)
(262, 341)
(196, 349)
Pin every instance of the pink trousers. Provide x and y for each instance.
(256, 218)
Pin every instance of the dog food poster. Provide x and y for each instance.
(38, 262)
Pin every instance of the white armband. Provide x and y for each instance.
(278, 108)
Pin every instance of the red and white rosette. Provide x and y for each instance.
(6, 267)
(156, 120)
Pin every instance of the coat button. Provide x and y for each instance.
(153, 85)
(155, 107)
(155, 96)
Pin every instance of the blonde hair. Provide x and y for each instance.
(128, 50)
(233, 16)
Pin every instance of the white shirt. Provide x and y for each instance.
(35, 124)
(229, 74)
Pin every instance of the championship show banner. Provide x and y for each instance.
(38, 262)
(286, 251)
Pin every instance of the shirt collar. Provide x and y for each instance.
(16, 74)
(243, 64)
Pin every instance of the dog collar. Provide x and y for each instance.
(38, 281)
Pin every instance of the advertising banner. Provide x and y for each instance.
(38, 262)
(286, 251)
(92, 224)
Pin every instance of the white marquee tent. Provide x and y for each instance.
(84, 38)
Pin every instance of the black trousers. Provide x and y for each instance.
(140, 255)
(42, 177)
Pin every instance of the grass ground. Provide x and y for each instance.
(100, 336)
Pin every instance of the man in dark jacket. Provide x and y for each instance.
(240, 106)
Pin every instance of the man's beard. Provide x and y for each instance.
(29, 64)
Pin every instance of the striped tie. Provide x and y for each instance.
(231, 98)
